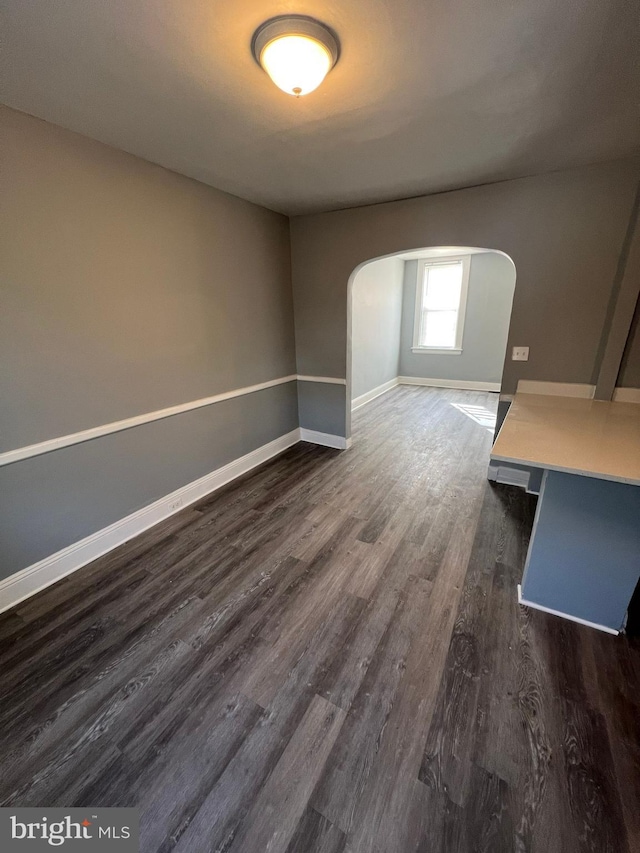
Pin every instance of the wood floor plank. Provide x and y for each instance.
(40, 635)
(448, 760)
(230, 799)
(383, 817)
(223, 647)
(316, 834)
(595, 805)
(594, 799)
(344, 676)
(111, 565)
(327, 656)
(611, 692)
(353, 759)
(273, 818)
(488, 817)
(190, 769)
(287, 638)
(36, 728)
(71, 755)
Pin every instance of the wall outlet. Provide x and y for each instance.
(520, 354)
(179, 502)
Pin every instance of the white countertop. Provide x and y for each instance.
(592, 438)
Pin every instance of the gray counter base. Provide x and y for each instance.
(584, 557)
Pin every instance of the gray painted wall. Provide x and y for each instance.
(629, 376)
(486, 328)
(125, 289)
(564, 232)
(321, 406)
(50, 501)
(375, 332)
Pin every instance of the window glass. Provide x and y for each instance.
(440, 328)
(440, 307)
(442, 287)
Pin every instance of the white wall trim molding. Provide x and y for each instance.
(436, 351)
(325, 439)
(363, 399)
(626, 395)
(20, 453)
(557, 389)
(328, 380)
(36, 577)
(460, 384)
(522, 601)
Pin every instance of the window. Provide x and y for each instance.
(441, 298)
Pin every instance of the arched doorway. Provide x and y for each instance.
(446, 309)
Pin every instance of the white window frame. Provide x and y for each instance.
(423, 265)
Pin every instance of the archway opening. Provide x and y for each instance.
(437, 316)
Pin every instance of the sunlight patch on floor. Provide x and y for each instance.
(480, 414)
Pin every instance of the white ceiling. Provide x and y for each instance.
(427, 95)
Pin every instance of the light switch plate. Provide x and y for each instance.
(520, 354)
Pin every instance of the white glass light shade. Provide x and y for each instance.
(296, 64)
(297, 52)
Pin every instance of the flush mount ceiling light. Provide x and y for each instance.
(296, 52)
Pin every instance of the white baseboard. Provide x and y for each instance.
(325, 439)
(363, 399)
(556, 389)
(575, 389)
(36, 577)
(460, 384)
(626, 395)
(553, 612)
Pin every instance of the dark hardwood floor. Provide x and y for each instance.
(327, 656)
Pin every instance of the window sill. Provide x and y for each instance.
(437, 351)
